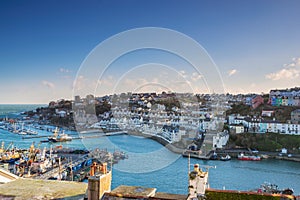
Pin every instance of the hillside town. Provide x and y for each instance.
(178, 118)
(197, 126)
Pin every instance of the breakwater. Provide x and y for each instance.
(158, 139)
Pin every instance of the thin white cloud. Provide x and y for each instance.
(64, 70)
(48, 84)
(65, 73)
(182, 73)
(290, 71)
(295, 62)
(284, 74)
(196, 76)
(232, 72)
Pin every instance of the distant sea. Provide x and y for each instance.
(14, 110)
(151, 165)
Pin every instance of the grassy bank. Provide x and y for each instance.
(266, 142)
(212, 194)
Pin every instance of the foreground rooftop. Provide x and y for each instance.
(135, 192)
(24, 189)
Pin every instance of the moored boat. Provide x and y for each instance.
(242, 156)
(225, 158)
(264, 156)
(273, 189)
(31, 132)
(214, 156)
(22, 133)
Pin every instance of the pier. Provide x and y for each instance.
(78, 136)
(196, 154)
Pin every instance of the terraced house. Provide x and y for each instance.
(258, 125)
(286, 97)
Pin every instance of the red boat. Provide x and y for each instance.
(242, 156)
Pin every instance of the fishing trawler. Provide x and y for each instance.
(8, 156)
(63, 137)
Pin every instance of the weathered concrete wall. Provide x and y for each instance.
(98, 185)
(105, 183)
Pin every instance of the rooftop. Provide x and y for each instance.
(133, 192)
(42, 189)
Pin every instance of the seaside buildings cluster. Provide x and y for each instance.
(148, 112)
(175, 118)
(266, 121)
(171, 116)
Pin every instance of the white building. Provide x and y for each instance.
(257, 125)
(236, 128)
(220, 140)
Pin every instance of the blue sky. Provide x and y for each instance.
(255, 44)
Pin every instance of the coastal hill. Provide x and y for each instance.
(60, 113)
(281, 113)
(271, 142)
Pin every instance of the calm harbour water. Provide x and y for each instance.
(151, 165)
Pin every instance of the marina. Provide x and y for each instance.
(232, 174)
(62, 156)
(221, 177)
(55, 163)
